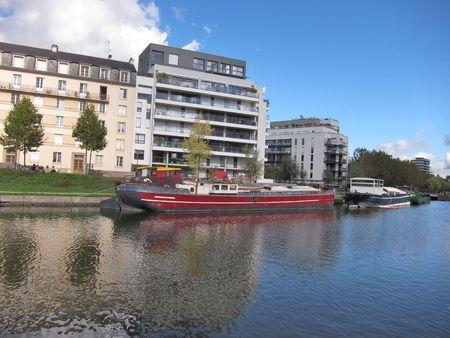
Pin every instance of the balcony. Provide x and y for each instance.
(279, 151)
(188, 83)
(197, 100)
(335, 142)
(8, 86)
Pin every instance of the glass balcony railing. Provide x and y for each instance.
(187, 83)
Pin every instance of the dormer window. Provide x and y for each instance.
(199, 64)
(84, 71)
(238, 71)
(18, 61)
(224, 68)
(104, 73)
(63, 68)
(124, 76)
(41, 64)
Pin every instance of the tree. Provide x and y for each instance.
(288, 169)
(90, 132)
(328, 176)
(23, 130)
(198, 148)
(253, 166)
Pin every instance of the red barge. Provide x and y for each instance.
(220, 197)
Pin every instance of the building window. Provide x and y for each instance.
(103, 123)
(173, 59)
(83, 105)
(303, 141)
(123, 93)
(147, 124)
(98, 160)
(15, 97)
(60, 103)
(212, 66)
(138, 154)
(139, 107)
(138, 122)
(120, 144)
(84, 70)
(17, 80)
(63, 68)
(56, 157)
(140, 138)
(311, 166)
(312, 150)
(199, 64)
(62, 85)
(302, 158)
(224, 68)
(58, 139)
(238, 71)
(102, 107)
(41, 65)
(157, 56)
(122, 111)
(59, 121)
(148, 113)
(124, 76)
(119, 161)
(310, 175)
(312, 157)
(121, 127)
(39, 83)
(295, 141)
(104, 73)
(18, 61)
(38, 101)
(83, 88)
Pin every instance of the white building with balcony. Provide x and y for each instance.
(192, 86)
(314, 144)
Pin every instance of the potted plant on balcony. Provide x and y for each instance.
(252, 90)
(161, 75)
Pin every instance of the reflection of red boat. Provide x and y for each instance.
(220, 197)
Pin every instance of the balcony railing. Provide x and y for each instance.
(279, 151)
(53, 92)
(335, 142)
(243, 136)
(205, 86)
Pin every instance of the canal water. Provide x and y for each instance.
(324, 273)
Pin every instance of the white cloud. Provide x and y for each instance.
(207, 29)
(83, 26)
(401, 148)
(425, 154)
(193, 45)
(177, 13)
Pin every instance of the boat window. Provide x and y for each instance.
(216, 187)
(224, 187)
(232, 187)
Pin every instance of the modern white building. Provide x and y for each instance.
(177, 87)
(422, 163)
(314, 144)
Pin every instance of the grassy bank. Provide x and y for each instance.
(14, 182)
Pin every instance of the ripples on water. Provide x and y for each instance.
(322, 273)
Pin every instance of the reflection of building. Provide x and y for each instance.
(422, 163)
(314, 144)
(192, 86)
(61, 85)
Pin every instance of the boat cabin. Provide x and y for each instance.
(366, 185)
(210, 188)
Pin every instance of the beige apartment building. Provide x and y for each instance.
(60, 85)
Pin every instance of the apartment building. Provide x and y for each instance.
(314, 144)
(191, 86)
(422, 163)
(60, 85)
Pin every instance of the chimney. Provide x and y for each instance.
(109, 57)
(131, 61)
(54, 48)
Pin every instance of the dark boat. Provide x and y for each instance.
(419, 199)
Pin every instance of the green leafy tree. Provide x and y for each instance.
(23, 130)
(289, 170)
(328, 176)
(198, 148)
(90, 132)
(253, 166)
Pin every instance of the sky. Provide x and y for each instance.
(380, 67)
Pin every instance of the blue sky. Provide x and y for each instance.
(382, 68)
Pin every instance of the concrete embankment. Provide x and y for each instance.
(50, 201)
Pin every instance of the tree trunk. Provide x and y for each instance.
(90, 159)
(198, 177)
(85, 161)
(24, 158)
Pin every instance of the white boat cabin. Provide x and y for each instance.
(211, 189)
(372, 186)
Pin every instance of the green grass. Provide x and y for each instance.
(14, 182)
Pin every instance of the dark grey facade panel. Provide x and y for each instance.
(185, 59)
(52, 66)
(6, 59)
(114, 75)
(29, 62)
(95, 71)
(74, 69)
